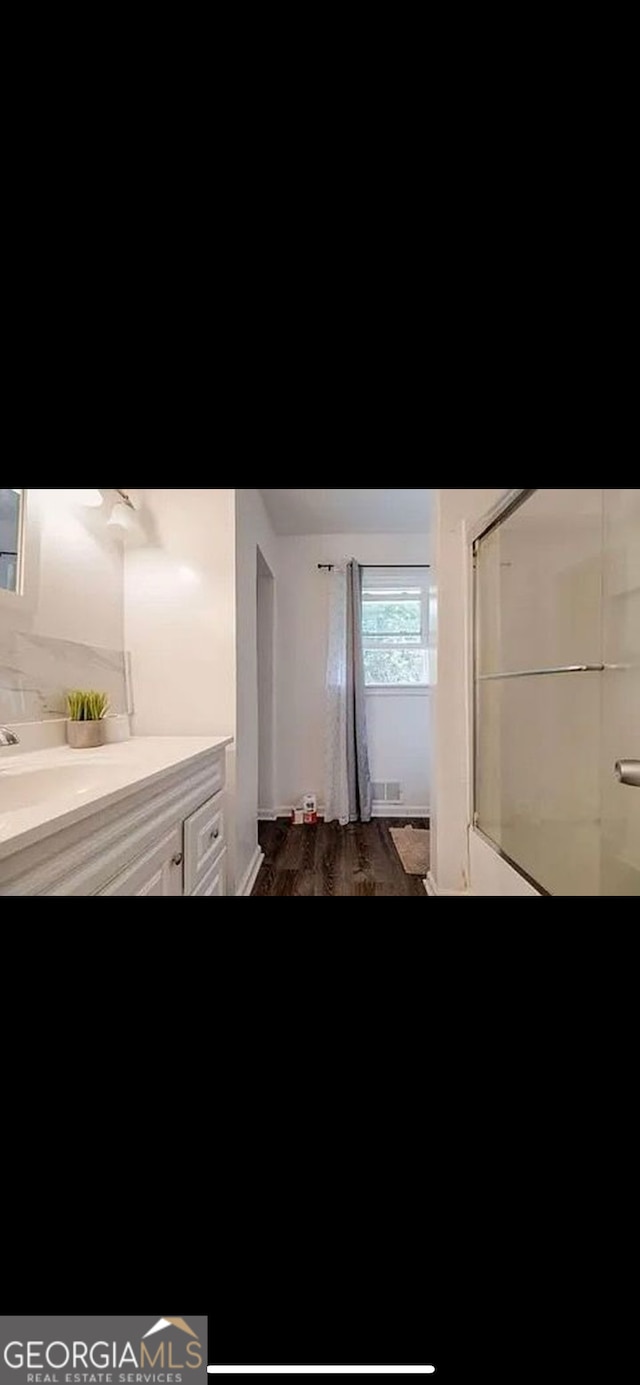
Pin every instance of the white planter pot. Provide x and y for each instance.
(85, 735)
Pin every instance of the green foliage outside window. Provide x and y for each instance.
(390, 667)
(392, 618)
(390, 628)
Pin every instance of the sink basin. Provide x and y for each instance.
(28, 788)
(48, 789)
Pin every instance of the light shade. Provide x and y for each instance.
(121, 516)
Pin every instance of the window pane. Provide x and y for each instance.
(379, 641)
(392, 617)
(9, 539)
(392, 667)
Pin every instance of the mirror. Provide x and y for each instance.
(11, 505)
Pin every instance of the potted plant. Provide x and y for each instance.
(87, 711)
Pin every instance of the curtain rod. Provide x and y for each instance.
(381, 567)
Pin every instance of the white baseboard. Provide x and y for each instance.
(251, 875)
(432, 888)
(379, 810)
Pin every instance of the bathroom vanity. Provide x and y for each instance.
(146, 817)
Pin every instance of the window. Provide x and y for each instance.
(398, 621)
(10, 533)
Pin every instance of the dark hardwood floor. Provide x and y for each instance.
(330, 860)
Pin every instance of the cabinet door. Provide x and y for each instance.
(215, 883)
(158, 872)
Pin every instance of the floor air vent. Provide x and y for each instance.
(390, 792)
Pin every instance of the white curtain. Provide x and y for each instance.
(347, 778)
(336, 767)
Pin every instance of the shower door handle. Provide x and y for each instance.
(628, 772)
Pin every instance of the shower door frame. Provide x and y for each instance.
(506, 506)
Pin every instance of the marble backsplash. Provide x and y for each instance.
(36, 673)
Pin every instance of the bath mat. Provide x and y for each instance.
(413, 846)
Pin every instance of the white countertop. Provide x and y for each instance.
(79, 783)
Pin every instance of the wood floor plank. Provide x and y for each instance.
(364, 889)
(284, 882)
(273, 838)
(358, 861)
(291, 852)
(309, 848)
(265, 881)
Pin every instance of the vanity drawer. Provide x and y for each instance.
(204, 840)
(215, 882)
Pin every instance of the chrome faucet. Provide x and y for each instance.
(8, 737)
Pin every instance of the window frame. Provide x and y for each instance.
(405, 581)
(16, 600)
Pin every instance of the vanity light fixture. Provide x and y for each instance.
(126, 499)
(123, 512)
(132, 499)
(120, 516)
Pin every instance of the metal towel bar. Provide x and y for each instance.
(542, 672)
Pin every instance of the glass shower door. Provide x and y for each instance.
(557, 683)
(539, 688)
(620, 739)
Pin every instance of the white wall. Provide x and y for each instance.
(180, 614)
(191, 626)
(452, 765)
(400, 746)
(180, 619)
(399, 728)
(266, 688)
(254, 531)
(74, 576)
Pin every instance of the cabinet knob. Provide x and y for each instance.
(178, 859)
(214, 835)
